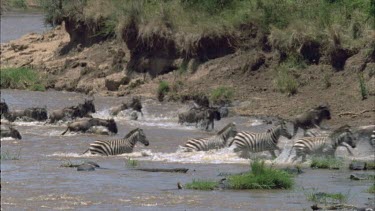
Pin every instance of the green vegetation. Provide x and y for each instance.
(202, 185)
(21, 78)
(370, 165)
(326, 163)
(222, 95)
(372, 189)
(327, 81)
(285, 81)
(10, 156)
(131, 163)
(261, 177)
(362, 86)
(326, 198)
(163, 89)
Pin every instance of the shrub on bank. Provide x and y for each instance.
(261, 177)
(21, 78)
(163, 89)
(222, 95)
(285, 81)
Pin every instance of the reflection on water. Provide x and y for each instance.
(36, 180)
(15, 25)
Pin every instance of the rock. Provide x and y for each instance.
(357, 165)
(112, 82)
(361, 177)
(86, 167)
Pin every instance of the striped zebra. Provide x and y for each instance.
(372, 139)
(324, 145)
(315, 132)
(246, 142)
(220, 140)
(119, 146)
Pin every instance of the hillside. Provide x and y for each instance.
(273, 59)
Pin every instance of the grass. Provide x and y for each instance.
(10, 156)
(21, 78)
(371, 189)
(261, 177)
(326, 198)
(163, 89)
(326, 163)
(222, 95)
(130, 163)
(362, 86)
(285, 81)
(202, 185)
(370, 165)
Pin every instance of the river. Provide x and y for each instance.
(35, 181)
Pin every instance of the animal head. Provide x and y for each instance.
(14, 133)
(136, 104)
(112, 126)
(89, 106)
(284, 129)
(3, 108)
(348, 137)
(230, 129)
(142, 137)
(215, 114)
(323, 112)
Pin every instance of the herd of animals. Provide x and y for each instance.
(244, 143)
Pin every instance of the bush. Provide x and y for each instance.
(21, 78)
(202, 185)
(261, 177)
(326, 198)
(163, 89)
(222, 95)
(285, 81)
(326, 163)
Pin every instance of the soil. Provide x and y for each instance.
(94, 68)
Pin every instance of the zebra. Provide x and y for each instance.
(217, 141)
(315, 132)
(325, 145)
(246, 142)
(119, 146)
(372, 139)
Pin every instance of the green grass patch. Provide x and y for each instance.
(326, 198)
(163, 89)
(326, 163)
(371, 189)
(362, 86)
(262, 177)
(131, 163)
(202, 185)
(285, 81)
(10, 156)
(222, 95)
(21, 78)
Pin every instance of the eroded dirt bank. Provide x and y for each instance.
(128, 66)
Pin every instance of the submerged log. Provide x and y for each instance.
(174, 170)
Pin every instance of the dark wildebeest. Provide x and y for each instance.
(72, 112)
(85, 124)
(29, 114)
(205, 116)
(312, 118)
(134, 104)
(8, 131)
(3, 108)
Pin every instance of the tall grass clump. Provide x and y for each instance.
(362, 86)
(131, 163)
(326, 163)
(285, 81)
(21, 78)
(371, 189)
(222, 95)
(202, 185)
(261, 177)
(163, 89)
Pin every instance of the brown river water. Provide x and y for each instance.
(37, 182)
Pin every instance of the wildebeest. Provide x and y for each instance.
(85, 124)
(29, 114)
(7, 130)
(134, 104)
(204, 116)
(73, 112)
(312, 118)
(3, 108)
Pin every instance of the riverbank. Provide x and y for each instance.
(250, 62)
